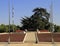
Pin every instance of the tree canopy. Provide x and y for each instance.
(39, 20)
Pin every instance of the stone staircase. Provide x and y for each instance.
(30, 37)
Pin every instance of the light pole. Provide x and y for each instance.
(12, 16)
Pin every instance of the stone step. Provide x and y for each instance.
(30, 42)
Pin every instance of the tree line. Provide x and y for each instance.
(5, 28)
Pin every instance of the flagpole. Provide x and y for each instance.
(51, 16)
(9, 19)
(51, 21)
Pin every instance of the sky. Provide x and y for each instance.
(25, 7)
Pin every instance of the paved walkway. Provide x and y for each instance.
(28, 44)
(30, 37)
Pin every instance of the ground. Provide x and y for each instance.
(29, 44)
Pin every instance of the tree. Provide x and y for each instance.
(11, 28)
(2, 28)
(40, 20)
(41, 17)
(7, 28)
(56, 28)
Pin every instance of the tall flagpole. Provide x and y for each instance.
(9, 13)
(9, 19)
(12, 16)
(51, 16)
(51, 21)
